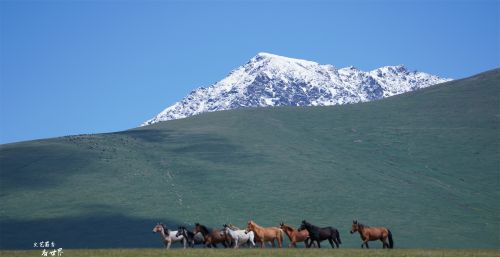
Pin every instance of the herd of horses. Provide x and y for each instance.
(232, 236)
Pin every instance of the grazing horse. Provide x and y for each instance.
(212, 238)
(319, 234)
(239, 236)
(295, 235)
(266, 234)
(191, 237)
(371, 234)
(168, 237)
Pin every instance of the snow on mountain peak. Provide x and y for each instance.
(273, 80)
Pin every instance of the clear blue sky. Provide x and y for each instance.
(73, 67)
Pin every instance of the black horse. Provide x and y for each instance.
(319, 234)
(191, 237)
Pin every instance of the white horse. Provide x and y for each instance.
(240, 237)
(168, 237)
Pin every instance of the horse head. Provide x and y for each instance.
(284, 227)
(200, 229)
(303, 225)
(196, 228)
(355, 226)
(250, 225)
(157, 228)
(224, 231)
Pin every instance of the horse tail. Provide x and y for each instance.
(337, 235)
(391, 242)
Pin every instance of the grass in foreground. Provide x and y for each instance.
(265, 252)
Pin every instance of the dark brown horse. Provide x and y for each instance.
(295, 235)
(371, 234)
(213, 237)
(317, 234)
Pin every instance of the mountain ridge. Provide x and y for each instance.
(269, 80)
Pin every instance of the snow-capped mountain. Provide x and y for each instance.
(272, 80)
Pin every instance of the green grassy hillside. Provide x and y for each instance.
(425, 164)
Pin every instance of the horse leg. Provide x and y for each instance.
(168, 244)
(331, 242)
(366, 243)
(384, 242)
(273, 243)
(319, 245)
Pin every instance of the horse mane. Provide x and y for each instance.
(185, 231)
(288, 227)
(165, 228)
(254, 224)
(204, 230)
(307, 224)
(363, 225)
(233, 227)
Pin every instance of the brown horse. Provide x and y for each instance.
(371, 234)
(266, 234)
(212, 238)
(295, 235)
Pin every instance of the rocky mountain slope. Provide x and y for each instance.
(271, 80)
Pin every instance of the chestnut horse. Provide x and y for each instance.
(212, 238)
(371, 234)
(295, 235)
(266, 234)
